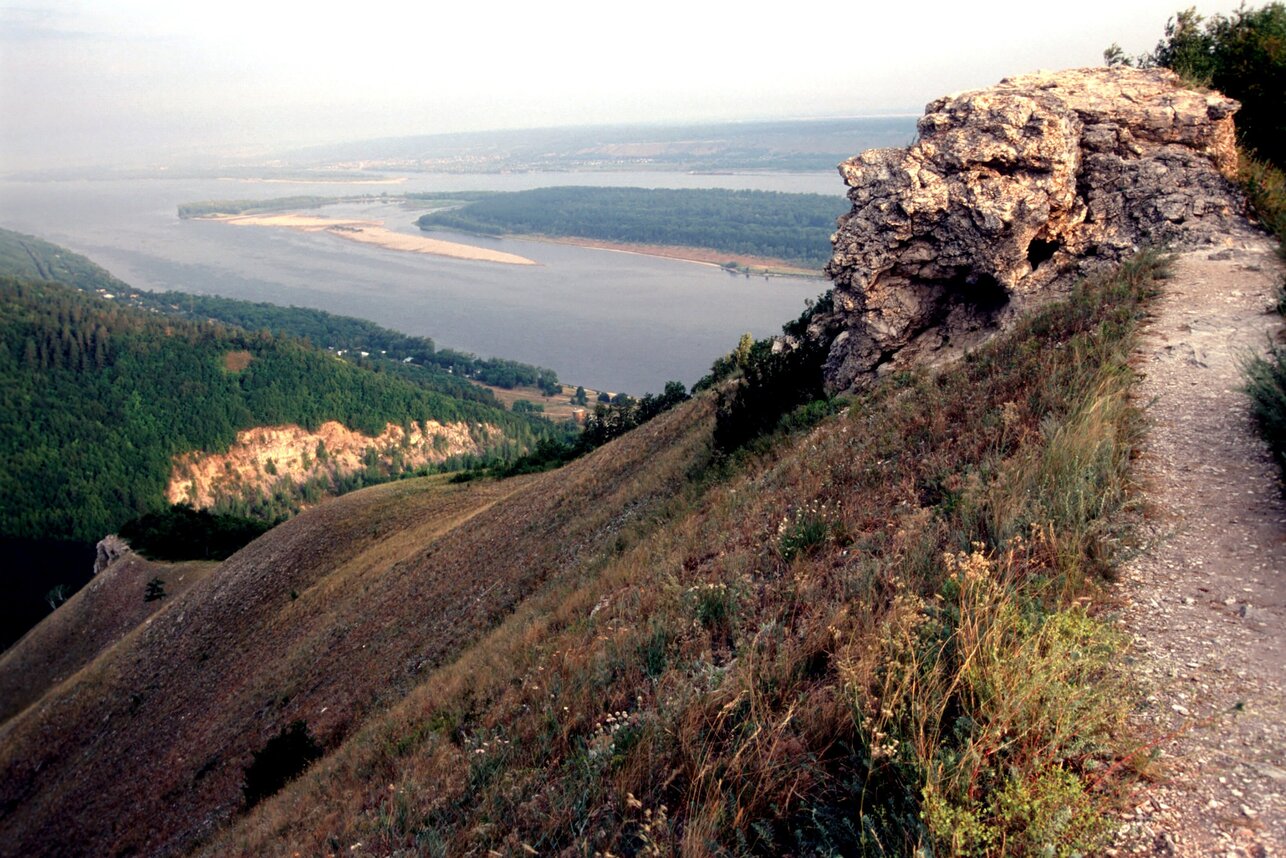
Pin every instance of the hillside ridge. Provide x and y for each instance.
(872, 625)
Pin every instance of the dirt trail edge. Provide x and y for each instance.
(1205, 600)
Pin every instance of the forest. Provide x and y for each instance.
(208, 208)
(443, 369)
(97, 398)
(794, 228)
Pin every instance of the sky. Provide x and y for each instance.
(141, 82)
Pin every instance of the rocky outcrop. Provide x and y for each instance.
(268, 457)
(1007, 196)
(109, 549)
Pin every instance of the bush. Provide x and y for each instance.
(1266, 384)
(772, 385)
(804, 531)
(281, 760)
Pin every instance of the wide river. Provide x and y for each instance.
(608, 320)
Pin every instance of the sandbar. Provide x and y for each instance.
(374, 232)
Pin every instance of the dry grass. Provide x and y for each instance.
(1265, 187)
(328, 618)
(90, 622)
(557, 407)
(873, 638)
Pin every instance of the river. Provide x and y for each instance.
(604, 319)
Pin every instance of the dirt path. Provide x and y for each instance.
(1206, 598)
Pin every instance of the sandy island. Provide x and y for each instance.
(374, 232)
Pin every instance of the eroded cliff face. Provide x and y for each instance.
(264, 456)
(1007, 196)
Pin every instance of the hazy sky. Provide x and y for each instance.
(143, 81)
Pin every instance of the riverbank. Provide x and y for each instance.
(374, 232)
(733, 263)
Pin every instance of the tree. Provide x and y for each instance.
(1242, 56)
(56, 596)
(155, 590)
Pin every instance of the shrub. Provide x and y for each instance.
(804, 531)
(282, 759)
(155, 590)
(1266, 384)
(772, 384)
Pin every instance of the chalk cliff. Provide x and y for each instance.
(1008, 195)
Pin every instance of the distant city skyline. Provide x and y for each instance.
(141, 82)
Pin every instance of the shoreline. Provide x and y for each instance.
(752, 265)
(394, 180)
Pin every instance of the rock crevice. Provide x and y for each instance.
(1011, 193)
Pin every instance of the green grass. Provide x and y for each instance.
(1265, 187)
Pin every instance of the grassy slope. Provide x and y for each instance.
(101, 613)
(869, 638)
(325, 618)
(1265, 187)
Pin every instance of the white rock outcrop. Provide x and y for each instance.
(1010, 193)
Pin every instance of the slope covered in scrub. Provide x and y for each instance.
(872, 636)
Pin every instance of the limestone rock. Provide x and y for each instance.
(109, 549)
(1008, 195)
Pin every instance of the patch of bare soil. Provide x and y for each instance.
(1206, 598)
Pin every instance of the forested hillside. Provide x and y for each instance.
(792, 227)
(445, 370)
(96, 399)
(417, 357)
(30, 258)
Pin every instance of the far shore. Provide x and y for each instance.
(755, 265)
(374, 232)
(392, 180)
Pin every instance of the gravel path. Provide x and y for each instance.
(1206, 598)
